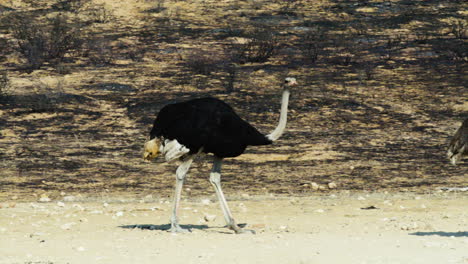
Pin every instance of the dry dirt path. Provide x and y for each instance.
(333, 228)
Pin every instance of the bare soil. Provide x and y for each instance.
(337, 228)
(368, 126)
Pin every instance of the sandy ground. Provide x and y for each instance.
(332, 228)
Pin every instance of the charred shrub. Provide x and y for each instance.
(313, 43)
(99, 51)
(259, 46)
(44, 42)
(202, 62)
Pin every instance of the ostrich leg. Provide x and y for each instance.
(180, 177)
(215, 180)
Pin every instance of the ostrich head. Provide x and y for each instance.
(289, 81)
(151, 149)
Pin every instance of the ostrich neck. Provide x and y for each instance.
(283, 117)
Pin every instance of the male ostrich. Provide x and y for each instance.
(459, 144)
(207, 125)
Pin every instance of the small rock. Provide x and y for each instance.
(242, 207)
(67, 226)
(36, 206)
(96, 212)
(105, 204)
(80, 249)
(205, 201)
(245, 195)
(361, 198)
(387, 202)
(319, 211)
(332, 185)
(14, 197)
(44, 199)
(120, 213)
(12, 205)
(60, 204)
(314, 186)
(321, 188)
(69, 198)
(78, 207)
(209, 218)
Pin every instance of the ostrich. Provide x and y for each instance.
(458, 146)
(183, 130)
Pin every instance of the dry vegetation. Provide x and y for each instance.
(383, 87)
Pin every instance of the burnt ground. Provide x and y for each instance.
(375, 111)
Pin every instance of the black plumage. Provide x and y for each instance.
(207, 124)
(458, 146)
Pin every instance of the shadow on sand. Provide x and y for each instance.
(442, 234)
(165, 227)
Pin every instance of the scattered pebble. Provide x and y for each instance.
(332, 185)
(387, 202)
(205, 201)
(119, 213)
(44, 199)
(78, 207)
(96, 212)
(209, 218)
(105, 204)
(69, 198)
(245, 195)
(361, 198)
(80, 249)
(36, 206)
(67, 226)
(410, 226)
(314, 186)
(60, 204)
(319, 211)
(242, 207)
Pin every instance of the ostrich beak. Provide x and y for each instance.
(151, 149)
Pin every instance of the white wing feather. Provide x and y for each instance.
(173, 150)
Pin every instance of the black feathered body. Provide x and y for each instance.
(207, 124)
(458, 146)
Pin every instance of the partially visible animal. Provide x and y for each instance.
(458, 147)
(183, 130)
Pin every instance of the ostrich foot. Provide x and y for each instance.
(240, 230)
(245, 231)
(178, 229)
